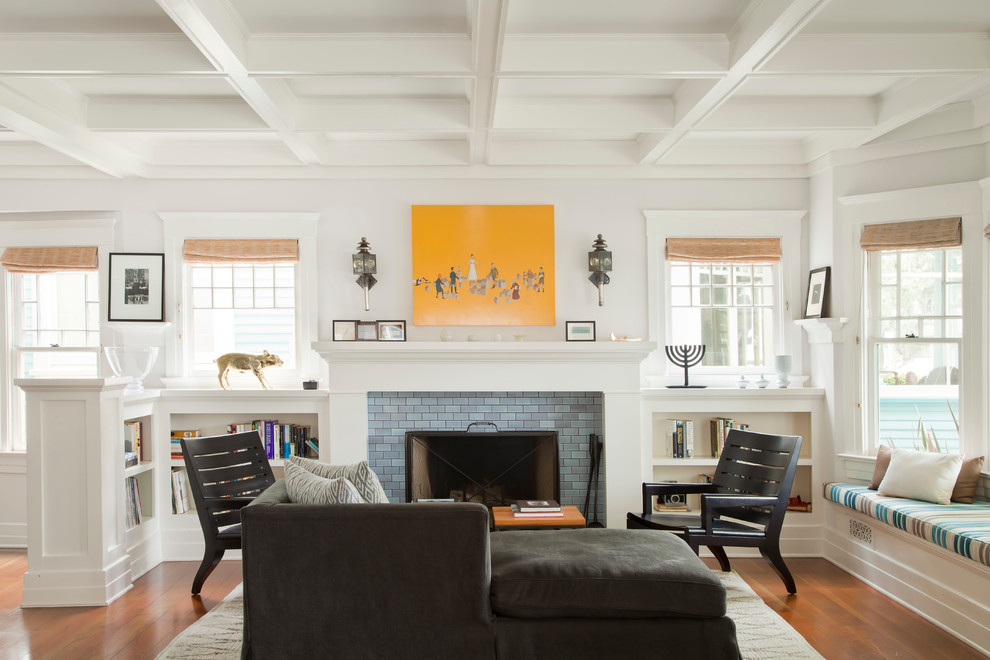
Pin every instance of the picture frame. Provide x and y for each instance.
(580, 331)
(137, 287)
(391, 330)
(367, 331)
(816, 305)
(345, 330)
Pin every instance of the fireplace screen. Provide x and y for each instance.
(493, 468)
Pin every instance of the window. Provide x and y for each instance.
(723, 278)
(248, 293)
(56, 324)
(916, 336)
(722, 293)
(53, 328)
(727, 307)
(244, 308)
(915, 328)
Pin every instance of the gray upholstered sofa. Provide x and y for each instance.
(430, 581)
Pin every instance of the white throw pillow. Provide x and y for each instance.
(921, 475)
(304, 487)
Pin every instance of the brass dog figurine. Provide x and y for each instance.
(246, 362)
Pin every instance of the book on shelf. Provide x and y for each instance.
(176, 444)
(720, 427)
(537, 506)
(180, 491)
(130, 459)
(680, 433)
(132, 511)
(132, 438)
(516, 513)
(670, 508)
(280, 440)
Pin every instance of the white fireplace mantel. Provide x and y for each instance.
(612, 368)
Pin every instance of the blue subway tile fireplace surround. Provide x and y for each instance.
(574, 415)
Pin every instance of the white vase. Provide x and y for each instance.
(782, 365)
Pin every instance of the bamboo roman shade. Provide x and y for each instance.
(255, 250)
(50, 259)
(912, 235)
(723, 250)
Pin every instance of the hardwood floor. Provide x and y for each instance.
(140, 624)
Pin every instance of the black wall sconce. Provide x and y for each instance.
(599, 263)
(365, 266)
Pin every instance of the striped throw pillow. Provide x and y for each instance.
(304, 487)
(360, 474)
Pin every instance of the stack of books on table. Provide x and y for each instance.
(537, 509)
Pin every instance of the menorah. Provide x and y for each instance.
(685, 355)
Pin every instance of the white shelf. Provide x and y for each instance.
(140, 468)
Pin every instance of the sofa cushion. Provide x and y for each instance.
(360, 474)
(304, 487)
(594, 573)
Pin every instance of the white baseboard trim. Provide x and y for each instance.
(13, 535)
(948, 590)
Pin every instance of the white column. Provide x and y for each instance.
(75, 465)
(623, 455)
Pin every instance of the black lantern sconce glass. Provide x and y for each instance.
(365, 266)
(599, 263)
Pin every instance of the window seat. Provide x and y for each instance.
(960, 528)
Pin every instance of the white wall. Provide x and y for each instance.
(380, 210)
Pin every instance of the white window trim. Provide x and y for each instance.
(180, 226)
(661, 225)
(963, 200)
(48, 229)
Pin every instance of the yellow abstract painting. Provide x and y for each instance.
(483, 265)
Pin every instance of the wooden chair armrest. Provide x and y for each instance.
(712, 502)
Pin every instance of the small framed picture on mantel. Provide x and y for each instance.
(580, 331)
(817, 301)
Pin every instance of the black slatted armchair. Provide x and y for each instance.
(743, 506)
(226, 472)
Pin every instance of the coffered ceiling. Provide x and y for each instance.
(327, 88)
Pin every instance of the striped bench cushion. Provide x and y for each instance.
(961, 528)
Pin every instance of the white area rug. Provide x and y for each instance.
(762, 633)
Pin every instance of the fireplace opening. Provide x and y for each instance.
(493, 468)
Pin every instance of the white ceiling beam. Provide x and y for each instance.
(488, 21)
(564, 114)
(638, 55)
(388, 153)
(762, 33)
(384, 114)
(171, 114)
(900, 55)
(918, 98)
(563, 152)
(100, 54)
(330, 55)
(63, 133)
(726, 152)
(233, 154)
(792, 113)
(221, 39)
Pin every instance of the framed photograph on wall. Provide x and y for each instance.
(580, 331)
(817, 299)
(391, 331)
(137, 287)
(345, 330)
(367, 331)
